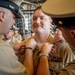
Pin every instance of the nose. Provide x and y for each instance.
(38, 20)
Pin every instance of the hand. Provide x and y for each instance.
(19, 48)
(46, 48)
(31, 43)
(58, 37)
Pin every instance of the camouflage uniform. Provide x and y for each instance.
(69, 69)
(62, 56)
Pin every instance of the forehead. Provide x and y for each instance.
(13, 15)
(39, 13)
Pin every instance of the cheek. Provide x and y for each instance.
(33, 24)
(64, 35)
(12, 20)
(11, 23)
(46, 25)
(4, 27)
(67, 36)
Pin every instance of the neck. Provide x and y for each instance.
(41, 38)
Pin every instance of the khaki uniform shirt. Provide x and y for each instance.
(37, 52)
(22, 56)
(9, 64)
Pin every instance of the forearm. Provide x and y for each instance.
(28, 62)
(43, 67)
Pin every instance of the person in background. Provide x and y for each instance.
(63, 14)
(1, 36)
(16, 34)
(9, 38)
(9, 64)
(26, 35)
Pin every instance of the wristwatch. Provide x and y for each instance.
(43, 54)
(28, 48)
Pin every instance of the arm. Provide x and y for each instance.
(28, 61)
(43, 67)
(18, 47)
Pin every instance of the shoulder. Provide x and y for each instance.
(69, 69)
(29, 38)
(50, 38)
(2, 41)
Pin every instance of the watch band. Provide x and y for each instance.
(28, 48)
(43, 54)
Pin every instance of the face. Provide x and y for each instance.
(16, 31)
(7, 20)
(69, 36)
(41, 23)
(9, 35)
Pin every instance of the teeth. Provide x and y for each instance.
(37, 25)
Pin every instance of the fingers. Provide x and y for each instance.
(22, 50)
(19, 48)
(31, 43)
(46, 48)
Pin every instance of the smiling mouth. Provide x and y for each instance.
(38, 26)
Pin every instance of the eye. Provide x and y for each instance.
(42, 18)
(34, 18)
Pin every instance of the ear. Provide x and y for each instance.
(72, 32)
(2, 15)
(50, 19)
